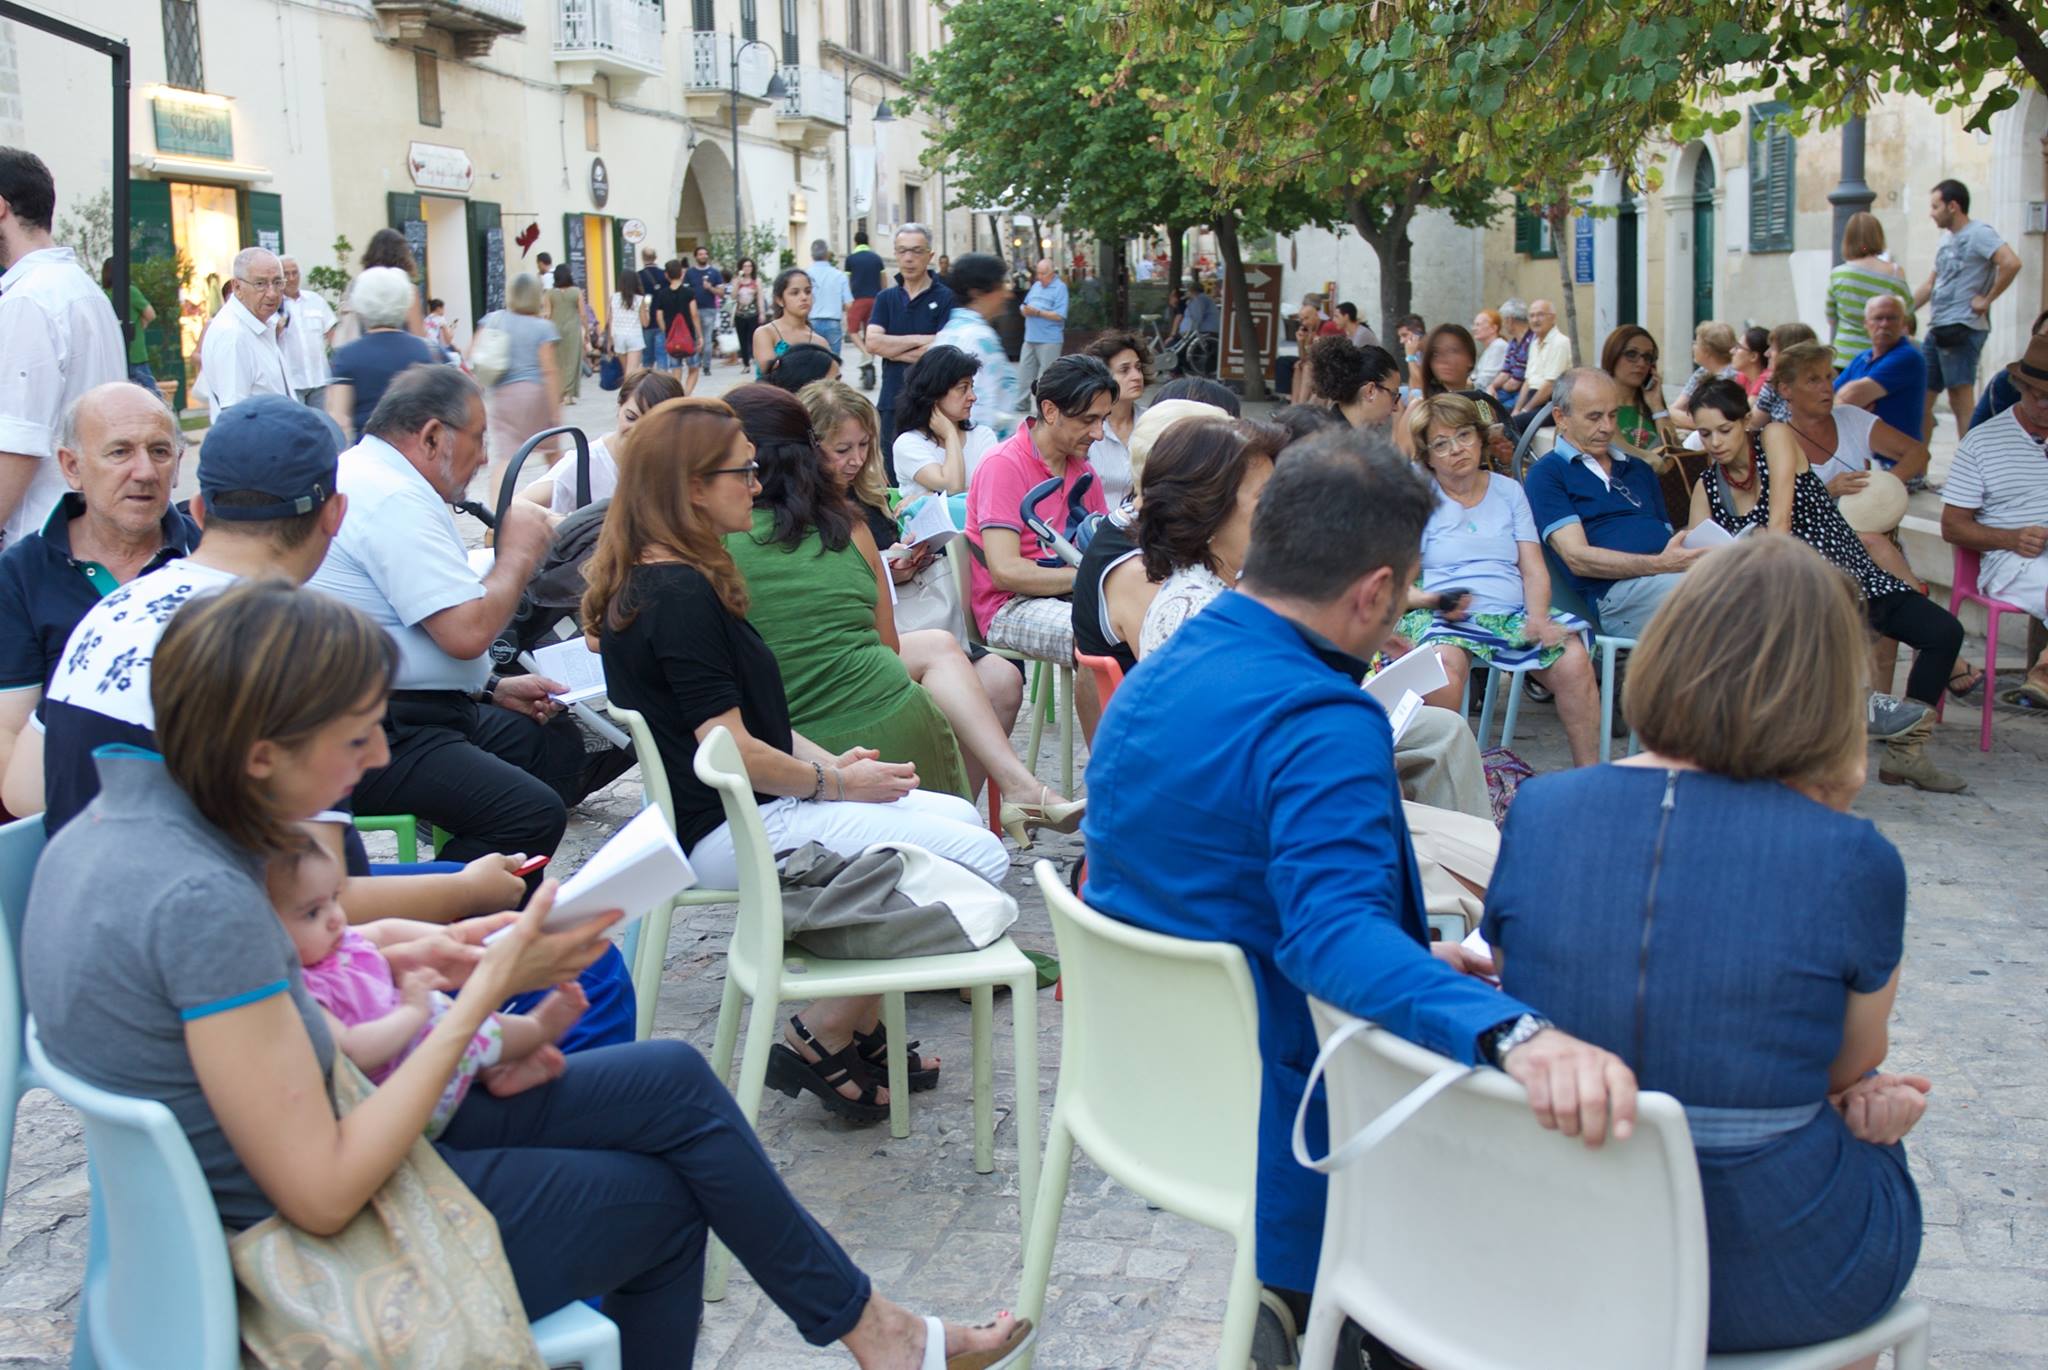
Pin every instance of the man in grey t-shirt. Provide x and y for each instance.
(1972, 267)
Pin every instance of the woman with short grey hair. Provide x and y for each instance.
(512, 354)
(381, 299)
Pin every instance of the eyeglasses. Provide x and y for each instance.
(1452, 441)
(1622, 489)
(752, 471)
(267, 283)
(1636, 354)
(913, 252)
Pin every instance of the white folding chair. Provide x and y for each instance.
(1612, 1272)
(761, 967)
(1139, 1006)
(646, 949)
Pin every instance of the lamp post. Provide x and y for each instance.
(775, 91)
(883, 115)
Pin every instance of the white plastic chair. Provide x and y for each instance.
(646, 949)
(1619, 1278)
(1139, 1006)
(762, 968)
(21, 842)
(1035, 700)
(158, 1287)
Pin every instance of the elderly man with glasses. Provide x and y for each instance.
(1602, 510)
(241, 355)
(906, 318)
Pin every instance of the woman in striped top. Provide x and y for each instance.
(1864, 272)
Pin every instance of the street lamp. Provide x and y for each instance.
(883, 115)
(775, 91)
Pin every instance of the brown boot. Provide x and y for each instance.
(1906, 763)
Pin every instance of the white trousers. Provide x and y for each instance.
(943, 824)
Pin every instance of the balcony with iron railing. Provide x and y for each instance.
(619, 39)
(473, 25)
(708, 73)
(812, 108)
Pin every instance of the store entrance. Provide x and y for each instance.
(447, 264)
(206, 227)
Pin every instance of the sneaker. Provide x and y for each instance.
(1890, 716)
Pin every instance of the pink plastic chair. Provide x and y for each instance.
(1965, 578)
(1109, 673)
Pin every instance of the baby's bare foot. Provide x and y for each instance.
(528, 1072)
(557, 1013)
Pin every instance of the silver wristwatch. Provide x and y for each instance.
(1496, 1044)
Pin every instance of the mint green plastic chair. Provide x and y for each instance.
(646, 949)
(21, 842)
(761, 967)
(1139, 1006)
(406, 829)
(1045, 675)
(158, 1287)
(1470, 1175)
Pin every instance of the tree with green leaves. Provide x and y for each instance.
(1039, 115)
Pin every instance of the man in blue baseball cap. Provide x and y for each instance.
(267, 506)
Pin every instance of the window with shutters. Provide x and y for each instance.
(1772, 187)
(791, 53)
(182, 64)
(703, 15)
(906, 49)
(426, 70)
(1532, 232)
(750, 21)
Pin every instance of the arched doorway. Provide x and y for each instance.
(705, 205)
(1702, 239)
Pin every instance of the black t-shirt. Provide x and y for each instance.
(652, 278)
(670, 303)
(864, 273)
(686, 658)
(1108, 548)
(370, 362)
(881, 526)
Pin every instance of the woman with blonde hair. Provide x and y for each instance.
(1711, 911)
(1865, 271)
(980, 696)
(523, 396)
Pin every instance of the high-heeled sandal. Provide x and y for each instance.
(874, 1050)
(1019, 820)
(789, 1073)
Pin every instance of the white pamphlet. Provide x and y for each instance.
(1709, 535)
(575, 665)
(1476, 944)
(926, 522)
(640, 867)
(1403, 713)
(1420, 671)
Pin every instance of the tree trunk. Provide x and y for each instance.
(1560, 219)
(2027, 42)
(1389, 242)
(1176, 257)
(1240, 308)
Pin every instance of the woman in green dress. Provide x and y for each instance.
(814, 578)
(565, 311)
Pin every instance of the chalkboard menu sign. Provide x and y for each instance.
(577, 264)
(416, 239)
(494, 269)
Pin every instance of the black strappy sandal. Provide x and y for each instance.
(874, 1051)
(789, 1073)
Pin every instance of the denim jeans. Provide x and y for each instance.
(831, 331)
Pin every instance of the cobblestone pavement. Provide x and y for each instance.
(1135, 1287)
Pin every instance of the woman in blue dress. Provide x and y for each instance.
(1710, 911)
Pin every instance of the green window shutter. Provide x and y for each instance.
(263, 220)
(1772, 183)
(152, 257)
(486, 260)
(1525, 229)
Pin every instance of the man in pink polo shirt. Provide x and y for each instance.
(1018, 603)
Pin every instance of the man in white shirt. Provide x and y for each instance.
(58, 339)
(1550, 356)
(492, 760)
(308, 320)
(242, 355)
(831, 293)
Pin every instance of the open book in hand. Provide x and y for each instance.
(926, 523)
(575, 665)
(640, 867)
(1707, 536)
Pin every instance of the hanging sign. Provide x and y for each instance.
(435, 166)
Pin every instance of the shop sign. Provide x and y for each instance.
(634, 232)
(193, 128)
(600, 182)
(435, 166)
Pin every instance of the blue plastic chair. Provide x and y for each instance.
(21, 842)
(158, 1287)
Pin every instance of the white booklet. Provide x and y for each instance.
(1403, 713)
(926, 522)
(1476, 944)
(575, 665)
(640, 867)
(1420, 671)
(1709, 535)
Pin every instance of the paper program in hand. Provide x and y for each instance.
(1421, 671)
(640, 867)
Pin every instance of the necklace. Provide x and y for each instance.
(1745, 482)
(1808, 437)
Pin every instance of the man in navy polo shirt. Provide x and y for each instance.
(1889, 377)
(906, 319)
(1602, 511)
(118, 449)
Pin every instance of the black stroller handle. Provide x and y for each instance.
(509, 486)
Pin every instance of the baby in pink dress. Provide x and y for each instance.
(377, 1022)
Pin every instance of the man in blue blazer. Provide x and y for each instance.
(1242, 789)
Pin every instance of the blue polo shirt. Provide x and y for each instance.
(45, 591)
(897, 313)
(864, 272)
(1625, 516)
(1903, 374)
(1051, 297)
(1246, 743)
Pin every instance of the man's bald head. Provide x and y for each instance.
(119, 447)
(259, 281)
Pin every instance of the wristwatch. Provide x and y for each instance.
(1495, 1043)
